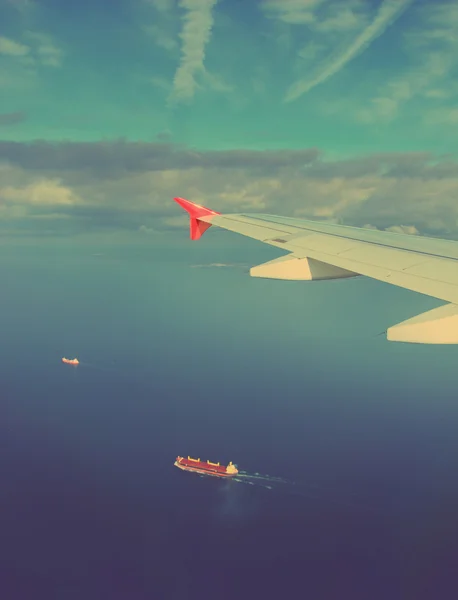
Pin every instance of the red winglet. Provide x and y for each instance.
(197, 227)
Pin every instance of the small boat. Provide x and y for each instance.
(71, 361)
(195, 465)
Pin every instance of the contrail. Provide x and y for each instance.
(195, 35)
(389, 11)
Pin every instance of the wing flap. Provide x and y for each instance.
(437, 269)
(326, 243)
(390, 272)
(382, 257)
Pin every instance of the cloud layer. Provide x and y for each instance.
(130, 185)
(120, 79)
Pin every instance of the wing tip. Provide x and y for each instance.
(196, 227)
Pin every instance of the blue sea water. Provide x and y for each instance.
(178, 357)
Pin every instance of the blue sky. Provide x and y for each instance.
(316, 108)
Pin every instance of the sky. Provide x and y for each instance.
(343, 111)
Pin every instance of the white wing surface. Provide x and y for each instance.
(319, 250)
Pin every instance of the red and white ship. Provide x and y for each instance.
(71, 361)
(195, 465)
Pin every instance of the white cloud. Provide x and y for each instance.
(409, 229)
(162, 5)
(46, 51)
(179, 221)
(440, 22)
(443, 116)
(342, 18)
(404, 229)
(161, 24)
(12, 48)
(323, 16)
(44, 192)
(27, 52)
(149, 230)
(21, 79)
(388, 12)
(310, 51)
(161, 83)
(162, 38)
(216, 82)
(294, 12)
(39, 50)
(433, 50)
(436, 93)
(23, 6)
(385, 108)
(195, 35)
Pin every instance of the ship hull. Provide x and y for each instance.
(203, 471)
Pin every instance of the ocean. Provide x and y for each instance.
(182, 353)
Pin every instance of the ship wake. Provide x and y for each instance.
(267, 481)
(311, 491)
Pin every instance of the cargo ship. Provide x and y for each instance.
(71, 361)
(195, 465)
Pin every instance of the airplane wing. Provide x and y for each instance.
(319, 250)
